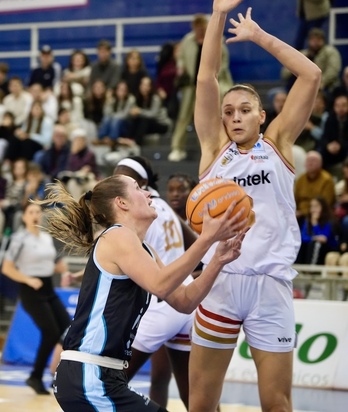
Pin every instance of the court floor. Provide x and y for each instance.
(15, 396)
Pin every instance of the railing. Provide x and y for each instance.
(333, 40)
(316, 281)
(119, 25)
(322, 282)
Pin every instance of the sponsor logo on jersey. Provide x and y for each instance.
(262, 178)
(259, 158)
(258, 147)
(228, 156)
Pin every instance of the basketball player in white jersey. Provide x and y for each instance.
(254, 291)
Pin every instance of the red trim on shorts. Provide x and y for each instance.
(212, 338)
(215, 328)
(219, 318)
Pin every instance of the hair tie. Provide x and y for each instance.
(88, 195)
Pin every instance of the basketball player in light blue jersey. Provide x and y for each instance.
(255, 291)
(121, 274)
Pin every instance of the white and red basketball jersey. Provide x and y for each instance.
(271, 245)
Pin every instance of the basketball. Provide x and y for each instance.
(218, 194)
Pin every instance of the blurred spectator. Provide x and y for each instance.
(11, 206)
(310, 14)
(4, 69)
(54, 159)
(179, 186)
(35, 183)
(64, 119)
(81, 169)
(7, 130)
(47, 99)
(67, 100)
(334, 142)
(313, 183)
(189, 56)
(311, 135)
(18, 101)
(299, 155)
(49, 72)
(94, 102)
(2, 107)
(3, 185)
(340, 90)
(326, 57)
(34, 135)
(104, 69)
(133, 70)
(277, 97)
(116, 111)
(78, 72)
(318, 233)
(166, 78)
(148, 115)
(340, 257)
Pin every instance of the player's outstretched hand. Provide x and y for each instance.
(229, 250)
(224, 227)
(244, 29)
(224, 6)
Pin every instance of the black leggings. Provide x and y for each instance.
(50, 316)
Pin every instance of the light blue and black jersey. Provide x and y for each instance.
(108, 312)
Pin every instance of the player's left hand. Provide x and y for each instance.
(229, 250)
(244, 29)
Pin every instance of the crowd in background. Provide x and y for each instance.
(53, 123)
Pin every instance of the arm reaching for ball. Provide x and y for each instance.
(186, 298)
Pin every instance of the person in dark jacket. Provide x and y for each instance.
(54, 159)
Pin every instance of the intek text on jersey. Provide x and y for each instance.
(252, 180)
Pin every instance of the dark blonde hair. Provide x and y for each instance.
(246, 88)
(72, 222)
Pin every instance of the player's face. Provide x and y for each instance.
(32, 216)
(242, 117)
(140, 199)
(177, 192)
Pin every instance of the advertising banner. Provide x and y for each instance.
(320, 359)
(8, 6)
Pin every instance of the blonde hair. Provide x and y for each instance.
(72, 222)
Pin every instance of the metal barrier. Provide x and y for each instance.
(334, 12)
(322, 282)
(315, 281)
(119, 26)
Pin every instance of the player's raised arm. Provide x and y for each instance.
(298, 106)
(207, 109)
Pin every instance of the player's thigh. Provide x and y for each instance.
(274, 371)
(207, 369)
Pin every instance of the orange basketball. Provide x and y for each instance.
(218, 194)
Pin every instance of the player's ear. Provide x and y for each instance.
(262, 117)
(121, 203)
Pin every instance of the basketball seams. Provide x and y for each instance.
(220, 192)
(209, 192)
